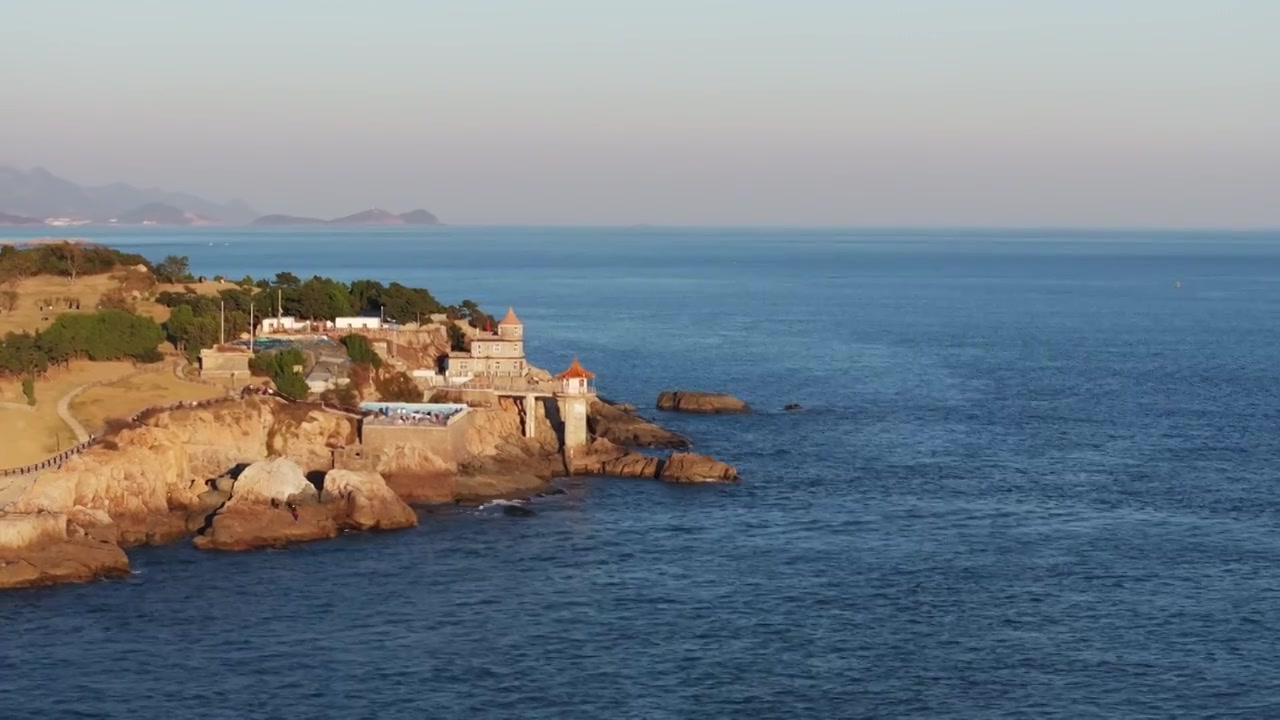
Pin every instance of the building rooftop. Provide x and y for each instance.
(510, 318)
(575, 372)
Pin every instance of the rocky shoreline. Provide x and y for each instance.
(259, 471)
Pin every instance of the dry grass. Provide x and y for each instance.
(33, 291)
(126, 397)
(32, 435)
(89, 289)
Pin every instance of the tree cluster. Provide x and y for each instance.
(361, 351)
(104, 335)
(319, 298)
(279, 365)
(69, 259)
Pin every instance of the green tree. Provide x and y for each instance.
(321, 298)
(279, 366)
(21, 356)
(70, 258)
(292, 384)
(29, 389)
(174, 268)
(458, 341)
(361, 351)
(406, 304)
(365, 294)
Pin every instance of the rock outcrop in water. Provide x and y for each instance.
(272, 503)
(50, 548)
(603, 457)
(707, 403)
(620, 424)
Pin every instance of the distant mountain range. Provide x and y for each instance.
(368, 217)
(38, 197)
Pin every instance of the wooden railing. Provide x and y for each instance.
(57, 460)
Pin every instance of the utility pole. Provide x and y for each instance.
(252, 329)
(222, 323)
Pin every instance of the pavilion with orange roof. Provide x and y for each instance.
(577, 380)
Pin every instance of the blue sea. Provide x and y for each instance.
(1036, 475)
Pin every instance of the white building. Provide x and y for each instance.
(348, 323)
(287, 323)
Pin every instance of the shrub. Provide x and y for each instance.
(292, 385)
(149, 356)
(29, 389)
(361, 350)
(398, 387)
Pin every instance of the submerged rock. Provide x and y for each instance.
(692, 468)
(694, 401)
(792, 407)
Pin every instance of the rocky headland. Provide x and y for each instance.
(260, 471)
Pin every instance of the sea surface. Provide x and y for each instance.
(1037, 475)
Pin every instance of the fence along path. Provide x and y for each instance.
(56, 461)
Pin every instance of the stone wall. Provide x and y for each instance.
(224, 364)
(447, 443)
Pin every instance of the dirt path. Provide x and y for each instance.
(64, 412)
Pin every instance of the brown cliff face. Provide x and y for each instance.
(693, 401)
(222, 435)
(51, 548)
(151, 480)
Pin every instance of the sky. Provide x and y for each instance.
(1154, 113)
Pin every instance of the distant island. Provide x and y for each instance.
(38, 197)
(7, 219)
(368, 217)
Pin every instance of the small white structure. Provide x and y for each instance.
(283, 324)
(577, 380)
(349, 323)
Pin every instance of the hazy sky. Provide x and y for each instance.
(807, 112)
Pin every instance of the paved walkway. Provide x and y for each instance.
(64, 412)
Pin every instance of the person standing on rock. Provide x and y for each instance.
(293, 510)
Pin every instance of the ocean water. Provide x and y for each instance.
(1033, 477)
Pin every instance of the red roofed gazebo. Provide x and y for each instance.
(577, 380)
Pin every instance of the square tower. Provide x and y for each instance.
(577, 388)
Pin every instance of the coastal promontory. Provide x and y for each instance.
(180, 410)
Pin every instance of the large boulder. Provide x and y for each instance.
(272, 504)
(279, 479)
(692, 468)
(364, 502)
(694, 401)
(51, 548)
(620, 424)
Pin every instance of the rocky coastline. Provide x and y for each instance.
(259, 471)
